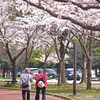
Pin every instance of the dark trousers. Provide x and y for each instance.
(24, 94)
(38, 92)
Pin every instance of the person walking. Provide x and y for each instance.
(37, 77)
(23, 78)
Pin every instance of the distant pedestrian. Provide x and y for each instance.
(23, 78)
(37, 76)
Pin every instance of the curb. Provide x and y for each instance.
(60, 96)
(56, 95)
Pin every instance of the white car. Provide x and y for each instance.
(92, 73)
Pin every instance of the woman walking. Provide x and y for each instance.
(37, 77)
(26, 77)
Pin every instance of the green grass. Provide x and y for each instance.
(65, 89)
(1, 77)
(54, 89)
(87, 91)
(8, 85)
(60, 91)
(5, 77)
(98, 78)
(48, 78)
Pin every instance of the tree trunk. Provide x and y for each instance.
(4, 71)
(21, 68)
(63, 78)
(14, 71)
(89, 65)
(13, 60)
(89, 74)
(26, 54)
(45, 66)
(96, 72)
(99, 72)
(84, 69)
(59, 76)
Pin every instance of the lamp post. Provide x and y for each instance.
(74, 66)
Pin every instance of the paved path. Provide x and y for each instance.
(16, 95)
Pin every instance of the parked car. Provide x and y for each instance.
(92, 73)
(51, 73)
(69, 74)
(33, 71)
(19, 73)
(79, 73)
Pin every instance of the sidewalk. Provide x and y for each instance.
(16, 95)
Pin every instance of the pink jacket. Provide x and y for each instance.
(24, 77)
(40, 75)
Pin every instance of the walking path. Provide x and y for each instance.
(16, 95)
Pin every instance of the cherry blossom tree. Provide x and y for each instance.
(7, 35)
(46, 50)
(79, 12)
(86, 40)
(12, 31)
(29, 46)
(60, 45)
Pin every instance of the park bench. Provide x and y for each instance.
(12, 81)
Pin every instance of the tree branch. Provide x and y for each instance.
(98, 1)
(83, 25)
(86, 8)
(19, 53)
(8, 52)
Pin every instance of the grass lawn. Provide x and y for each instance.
(66, 90)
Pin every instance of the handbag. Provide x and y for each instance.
(41, 83)
(25, 84)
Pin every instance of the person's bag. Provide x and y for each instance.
(41, 79)
(41, 83)
(25, 84)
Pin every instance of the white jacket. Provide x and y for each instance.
(26, 77)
